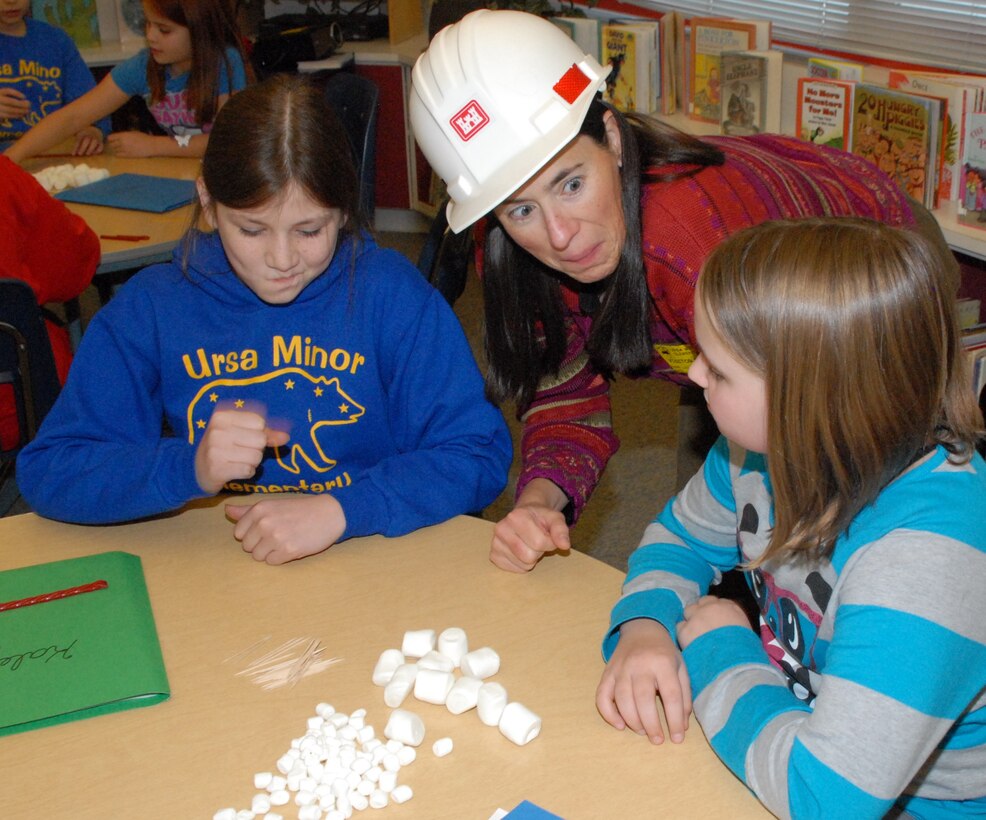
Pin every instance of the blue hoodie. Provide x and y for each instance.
(367, 369)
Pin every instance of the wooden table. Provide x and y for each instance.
(163, 230)
(198, 751)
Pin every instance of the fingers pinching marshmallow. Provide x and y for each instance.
(463, 694)
(388, 662)
(490, 702)
(433, 685)
(480, 663)
(406, 727)
(453, 644)
(400, 684)
(519, 724)
(418, 642)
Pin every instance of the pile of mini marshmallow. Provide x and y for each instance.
(339, 766)
(59, 177)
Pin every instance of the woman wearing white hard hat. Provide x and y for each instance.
(598, 225)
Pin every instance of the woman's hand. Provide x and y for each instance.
(646, 664)
(709, 613)
(532, 528)
(278, 530)
(232, 446)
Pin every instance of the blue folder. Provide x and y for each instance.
(134, 192)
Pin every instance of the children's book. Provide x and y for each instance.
(709, 38)
(898, 132)
(826, 69)
(77, 18)
(824, 111)
(631, 50)
(972, 206)
(962, 100)
(751, 92)
(77, 639)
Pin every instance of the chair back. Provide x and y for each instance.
(355, 100)
(27, 363)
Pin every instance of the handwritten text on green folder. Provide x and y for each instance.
(79, 656)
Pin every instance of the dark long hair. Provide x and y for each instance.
(525, 328)
(212, 30)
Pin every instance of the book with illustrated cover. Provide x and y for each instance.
(583, 30)
(898, 132)
(962, 100)
(709, 37)
(972, 205)
(824, 111)
(826, 69)
(751, 92)
(631, 51)
(77, 18)
(77, 639)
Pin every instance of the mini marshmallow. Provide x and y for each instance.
(260, 803)
(379, 800)
(480, 663)
(418, 642)
(453, 644)
(310, 812)
(401, 794)
(442, 746)
(400, 684)
(436, 660)
(406, 727)
(463, 694)
(261, 780)
(280, 797)
(388, 661)
(244, 814)
(433, 686)
(225, 814)
(490, 701)
(519, 724)
(273, 815)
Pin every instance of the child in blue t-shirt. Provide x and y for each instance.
(41, 70)
(286, 354)
(182, 99)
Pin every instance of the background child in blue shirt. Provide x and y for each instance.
(40, 71)
(847, 487)
(287, 355)
(183, 86)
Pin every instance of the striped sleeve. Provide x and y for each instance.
(683, 551)
(900, 709)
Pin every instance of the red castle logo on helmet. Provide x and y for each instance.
(469, 120)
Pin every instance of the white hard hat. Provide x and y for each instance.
(493, 99)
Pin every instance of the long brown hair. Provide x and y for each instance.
(212, 30)
(852, 325)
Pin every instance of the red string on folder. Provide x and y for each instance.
(53, 596)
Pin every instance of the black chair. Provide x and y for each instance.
(27, 364)
(445, 256)
(355, 100)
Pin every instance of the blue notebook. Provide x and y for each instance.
(134, 192)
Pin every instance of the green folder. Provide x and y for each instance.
(81, 655)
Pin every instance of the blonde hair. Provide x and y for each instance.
(852, 325)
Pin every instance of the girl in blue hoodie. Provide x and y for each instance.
(282, 354)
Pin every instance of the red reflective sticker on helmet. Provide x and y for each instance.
(470, 120)
(572, 83)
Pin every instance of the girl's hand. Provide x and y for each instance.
(284, 529)
(646, 664)
(532, 528)
(131, 144)
(13, 104)
(232, 446)
(88, 141)
(709, 613)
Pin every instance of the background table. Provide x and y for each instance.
(198, 751)
(163, 230)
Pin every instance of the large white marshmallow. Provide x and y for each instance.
(463, 695)
(453, 644)
(519, 724)
(418, 642)
(490, 702)
(433, 685)
(480, 663)
(400, 684)
(406, 727)
(388, 661)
